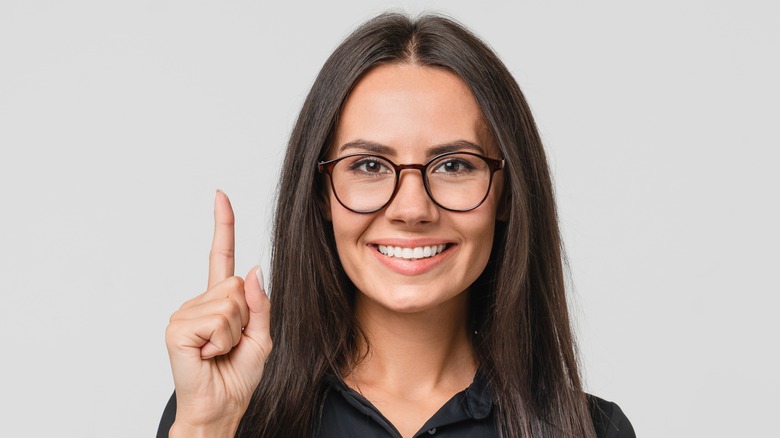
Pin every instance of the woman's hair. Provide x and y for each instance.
(523, 340)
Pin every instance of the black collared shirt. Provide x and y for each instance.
(468, 413)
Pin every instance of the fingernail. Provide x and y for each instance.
(260, 279)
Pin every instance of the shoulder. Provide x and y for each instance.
(608, 419)
(168, 416)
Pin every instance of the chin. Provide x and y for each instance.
(411, 299)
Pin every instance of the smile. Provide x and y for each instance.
(418, 252)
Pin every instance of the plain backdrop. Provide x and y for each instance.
(119, 119)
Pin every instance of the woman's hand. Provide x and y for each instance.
(218, 341)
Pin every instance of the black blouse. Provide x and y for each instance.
(468, 413)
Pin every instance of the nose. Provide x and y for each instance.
(411, 204)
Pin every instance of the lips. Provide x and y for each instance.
(411, 253)
(411, 257)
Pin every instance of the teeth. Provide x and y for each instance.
(419, 252)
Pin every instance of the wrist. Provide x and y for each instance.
(182, 428)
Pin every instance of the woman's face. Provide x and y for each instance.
(409, 114)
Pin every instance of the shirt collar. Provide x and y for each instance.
(473, 403)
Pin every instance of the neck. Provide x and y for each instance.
(414, 353)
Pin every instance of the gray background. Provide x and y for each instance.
(119, 119)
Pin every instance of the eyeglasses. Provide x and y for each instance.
(455, 181)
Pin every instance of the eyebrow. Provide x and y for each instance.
(367, 146)
(455, 146)
(378, 148)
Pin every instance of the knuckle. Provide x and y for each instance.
(234, 283)
(171, 331)
(191, 302)
(229, 308)
(221, 323)
(175, 316)
(266, 305)
(233, 308)
(221, 252)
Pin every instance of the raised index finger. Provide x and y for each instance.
(222, 255)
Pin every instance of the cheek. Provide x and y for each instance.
(348, 228)
(348, 232)
(483, 228)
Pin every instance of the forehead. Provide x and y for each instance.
(411, 109)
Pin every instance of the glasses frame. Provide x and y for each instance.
(326, 167)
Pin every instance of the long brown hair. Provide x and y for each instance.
(523, 339)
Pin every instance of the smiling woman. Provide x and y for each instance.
(412, 113)
(417, 275)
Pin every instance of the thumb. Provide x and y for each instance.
(258, 327)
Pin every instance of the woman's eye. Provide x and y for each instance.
(369, 166)
(453, 166)
(372, 166)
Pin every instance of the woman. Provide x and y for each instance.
(416, 253)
